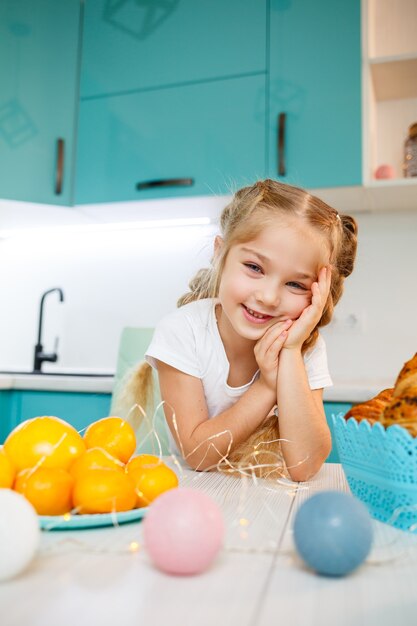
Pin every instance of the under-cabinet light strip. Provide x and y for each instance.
(94, 227)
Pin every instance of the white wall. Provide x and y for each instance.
(123, 278)
(110, 279)
(382, 291)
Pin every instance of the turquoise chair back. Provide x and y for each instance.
(133, 345)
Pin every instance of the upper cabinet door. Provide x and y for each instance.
(315, 84)
(191, 140)
(130, 45)
(38, 98)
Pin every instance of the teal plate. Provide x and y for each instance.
(78, 522)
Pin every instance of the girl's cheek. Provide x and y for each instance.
(295, 311)
(306, 302)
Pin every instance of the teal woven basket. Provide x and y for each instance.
(381, 468)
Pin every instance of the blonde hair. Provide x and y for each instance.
(251, 209)
(135, 395)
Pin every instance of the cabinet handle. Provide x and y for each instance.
(281, 143)
(165, 182)
(60, 148)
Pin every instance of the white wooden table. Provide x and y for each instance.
(92, 577)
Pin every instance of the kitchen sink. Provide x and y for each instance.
(82, 374)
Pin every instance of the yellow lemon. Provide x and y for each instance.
(151, 481)
(47, 441)
(48, 489)
(143, 460)
(95, 458)
(114, 435)
(104, 491)
(7, 471)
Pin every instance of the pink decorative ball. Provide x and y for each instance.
(183, 531)
(385, 171)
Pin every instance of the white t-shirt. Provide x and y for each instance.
(189, 340)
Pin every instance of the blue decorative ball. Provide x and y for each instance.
(333, 533)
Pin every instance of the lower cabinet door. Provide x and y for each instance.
(334, 408)
(6, 420)
(79, 409)
(199, 139)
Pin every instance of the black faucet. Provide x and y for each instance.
(40, 355)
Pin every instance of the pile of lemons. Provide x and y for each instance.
(59, 471)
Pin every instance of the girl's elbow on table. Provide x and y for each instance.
(306, 471)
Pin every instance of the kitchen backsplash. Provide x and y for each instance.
(133, 277)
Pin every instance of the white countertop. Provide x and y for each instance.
(355, 390)
(342, 391)
(91, 576)
(49, 382)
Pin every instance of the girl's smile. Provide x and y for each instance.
(254, 316)
(269, 279)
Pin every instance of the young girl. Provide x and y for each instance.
(241, 364)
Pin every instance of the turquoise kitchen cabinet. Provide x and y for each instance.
(5, 414)
(79, 409)
(195, 139)
(334, 408)
(39, 75)
(315, 93)
(182, 98)
(132, 45)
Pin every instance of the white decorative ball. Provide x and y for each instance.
(19, 533)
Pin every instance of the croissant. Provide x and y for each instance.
(397, 405)
(373, 409)
(407, 376)
(402, 410)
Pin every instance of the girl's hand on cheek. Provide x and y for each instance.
(310, 317)
(267, 350)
